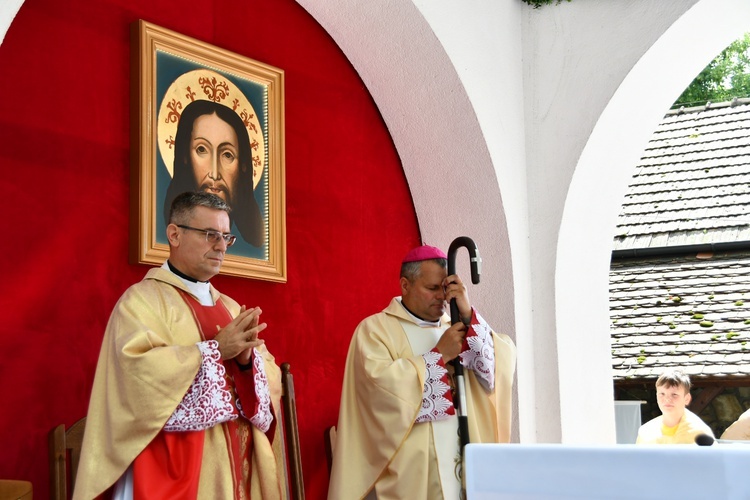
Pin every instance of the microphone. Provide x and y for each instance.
(704, 440)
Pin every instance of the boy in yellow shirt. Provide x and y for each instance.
(677, 424)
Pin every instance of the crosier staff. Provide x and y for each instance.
(476, 263)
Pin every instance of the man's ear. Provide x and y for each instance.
(404, 283)
(173, 235)
(688, 399)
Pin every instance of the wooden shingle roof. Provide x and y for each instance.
(692, 185)
(680, 274)
(684, 312)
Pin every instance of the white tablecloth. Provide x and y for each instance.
(554, 471)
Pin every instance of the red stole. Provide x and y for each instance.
(169, 467)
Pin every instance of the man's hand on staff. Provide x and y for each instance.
(451, 342)
(455, 289)
(240, 336)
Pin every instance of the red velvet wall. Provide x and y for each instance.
(64, 124)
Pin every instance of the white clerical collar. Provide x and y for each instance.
(419, 321)
(199, 289)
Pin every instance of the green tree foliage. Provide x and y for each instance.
(726, 77)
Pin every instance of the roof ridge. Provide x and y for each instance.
(737, 101)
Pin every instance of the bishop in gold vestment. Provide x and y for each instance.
(397, 428)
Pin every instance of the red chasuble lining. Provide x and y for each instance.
(169, 467)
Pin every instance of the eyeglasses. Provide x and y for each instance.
(213, 236)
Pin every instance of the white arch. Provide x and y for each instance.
(8, 11)
(595, 198)
(436, 132)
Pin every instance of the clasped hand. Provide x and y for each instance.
(240, 336)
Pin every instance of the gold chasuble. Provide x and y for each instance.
(378, 439)
(740, 429)
(148, 363)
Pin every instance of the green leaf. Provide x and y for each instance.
(726, 77)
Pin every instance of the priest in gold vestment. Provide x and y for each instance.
(397, 429)
(186, 396)
(740, 429)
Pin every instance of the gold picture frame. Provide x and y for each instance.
(171, 73)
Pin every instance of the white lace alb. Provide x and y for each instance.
(263, 416)
(480, 357)
(435, 406)
(207, 402)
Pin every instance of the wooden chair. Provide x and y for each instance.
(12, 489)
(329, 436)
(64, 453)
(291, 432)
(65, 446)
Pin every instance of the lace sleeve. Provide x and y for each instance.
(261, 416)
(479, 351)
(208, 401)
(437, 400)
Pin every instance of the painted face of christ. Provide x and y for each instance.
(214, 156)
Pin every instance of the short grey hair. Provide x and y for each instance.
(413, 270)
(184, 205)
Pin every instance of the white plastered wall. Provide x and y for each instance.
(519, 127)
